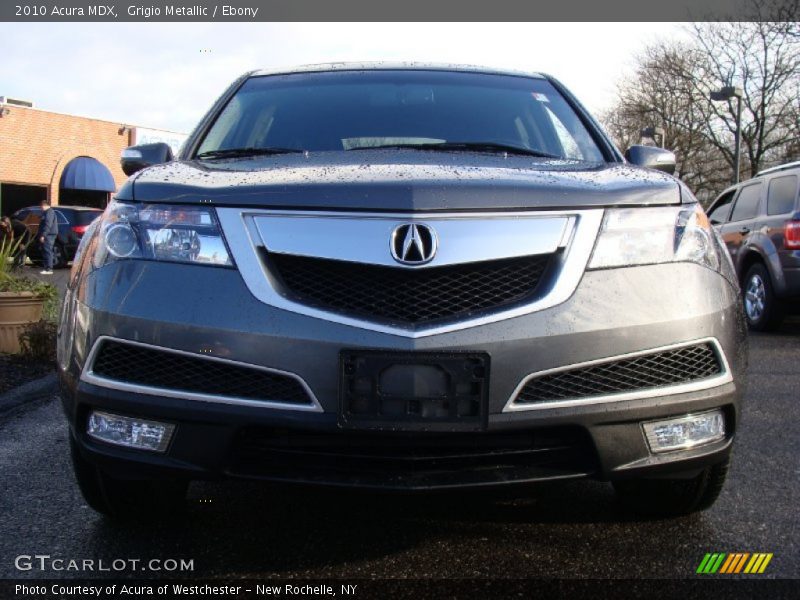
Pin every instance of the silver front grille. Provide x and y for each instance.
(464, 240)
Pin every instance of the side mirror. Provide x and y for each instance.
(652, 158)
(137, 158)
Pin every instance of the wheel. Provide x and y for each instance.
(59, 256)
(673, 497)
(762, 309)
(126, 499)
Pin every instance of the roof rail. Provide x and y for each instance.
(790, 165)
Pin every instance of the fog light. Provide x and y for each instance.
(685, 432)
(129, 431)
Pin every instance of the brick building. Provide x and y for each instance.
(40, 156)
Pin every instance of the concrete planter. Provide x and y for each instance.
(17, 309)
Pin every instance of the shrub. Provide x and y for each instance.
(38, 341)
(12, 281)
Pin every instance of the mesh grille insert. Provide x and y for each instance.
(409, 295)
(669, 367)
(156, 368)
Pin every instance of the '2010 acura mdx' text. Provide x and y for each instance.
(401, 277)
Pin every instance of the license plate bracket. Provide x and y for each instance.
(413, 391)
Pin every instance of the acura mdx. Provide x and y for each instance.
(401, 277)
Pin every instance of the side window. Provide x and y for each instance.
(34, 216)
(62, 220)
(722, 208)
(781, 195)
(224, 128)
(747, 204)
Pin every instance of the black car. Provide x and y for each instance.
(72, 223)
(759, 220)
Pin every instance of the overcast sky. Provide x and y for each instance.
(166, 75)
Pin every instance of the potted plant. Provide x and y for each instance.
(22, 299)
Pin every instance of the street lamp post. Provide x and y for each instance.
(654, 133)
(721, 95)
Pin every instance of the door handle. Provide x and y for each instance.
(744, 230)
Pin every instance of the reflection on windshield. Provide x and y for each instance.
(335, 111)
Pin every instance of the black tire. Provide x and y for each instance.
(59, 256)
(673, 497)
(127, 500)
(762, 310)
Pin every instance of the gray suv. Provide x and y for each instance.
(401, 277)
(760, 223)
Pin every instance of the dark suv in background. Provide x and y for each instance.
(72, 224)
(759, 220)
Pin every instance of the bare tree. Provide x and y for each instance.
(659, 93)
(671, 88)
(763, 58)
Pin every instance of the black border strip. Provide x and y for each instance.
(408, 10)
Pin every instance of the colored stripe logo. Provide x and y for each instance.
(734, 563)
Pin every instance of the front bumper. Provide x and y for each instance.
(612, 313)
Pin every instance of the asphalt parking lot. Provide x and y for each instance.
(59, 278)
(239, 530)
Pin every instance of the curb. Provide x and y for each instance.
(28, 392)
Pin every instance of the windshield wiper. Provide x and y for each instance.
(241, 152)
(466, 146)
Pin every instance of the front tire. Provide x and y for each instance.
(673, 497)
(761, 308)
(123, 499)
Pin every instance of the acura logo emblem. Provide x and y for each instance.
(413, 243)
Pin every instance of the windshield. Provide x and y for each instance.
(348, 110)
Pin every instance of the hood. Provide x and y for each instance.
(401, 180)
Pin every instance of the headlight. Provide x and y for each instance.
(642, 236)
(188, 234)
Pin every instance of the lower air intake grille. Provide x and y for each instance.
(417, 460)
(669, 367)
(409, 295)
(151, 367)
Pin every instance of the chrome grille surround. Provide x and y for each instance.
(570, 237)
